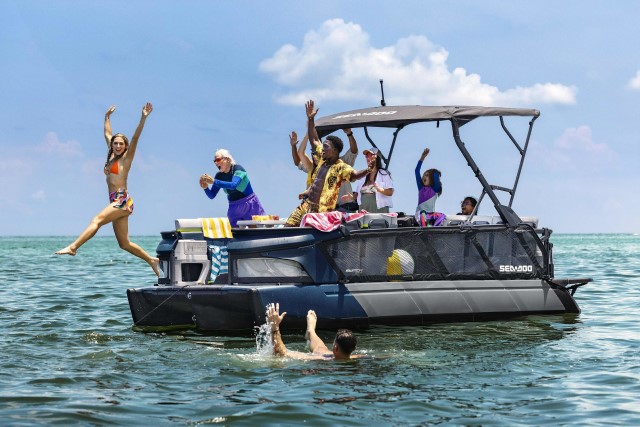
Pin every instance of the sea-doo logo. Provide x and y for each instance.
(516, 269)
(370, 113)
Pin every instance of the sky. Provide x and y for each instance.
(236, 75)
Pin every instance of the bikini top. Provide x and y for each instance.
(114, 169)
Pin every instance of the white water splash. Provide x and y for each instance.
(264, 342)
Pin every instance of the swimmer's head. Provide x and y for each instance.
(345, 343)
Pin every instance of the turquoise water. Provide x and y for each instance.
(68, 354)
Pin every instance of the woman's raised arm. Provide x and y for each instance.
(107, 125)
(146, 110)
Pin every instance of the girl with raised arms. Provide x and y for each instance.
(120, 206)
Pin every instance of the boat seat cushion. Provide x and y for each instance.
(216, 229)
(188, 225)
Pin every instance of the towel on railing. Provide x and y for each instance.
(323, 221)
(329, 221)
(219, 261)
(216, 228)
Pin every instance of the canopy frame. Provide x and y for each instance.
(399, 117)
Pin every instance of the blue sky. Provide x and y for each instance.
(235, 75)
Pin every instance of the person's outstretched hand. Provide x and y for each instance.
(147, 109)
(309, 106)
(273, 315)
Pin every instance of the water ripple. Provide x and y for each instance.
(69, 355)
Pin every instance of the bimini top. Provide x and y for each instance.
(400, 116)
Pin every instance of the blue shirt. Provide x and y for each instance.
(235, 183)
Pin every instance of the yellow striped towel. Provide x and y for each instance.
(216, 228)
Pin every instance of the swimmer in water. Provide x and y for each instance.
(343, 345)
(116, 169)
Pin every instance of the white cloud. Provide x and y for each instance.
(575, 150)
(52, 145)
(338, 62)
(634, 83)
(549, 93)
(580, 139)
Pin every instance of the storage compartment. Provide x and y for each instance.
(380, 220)
(190, 264)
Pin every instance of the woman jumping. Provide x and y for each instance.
(116, 168)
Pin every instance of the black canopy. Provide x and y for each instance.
(400, 116)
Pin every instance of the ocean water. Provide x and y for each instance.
(69, 354)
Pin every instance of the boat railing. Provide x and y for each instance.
(456, 251)
(441, 253)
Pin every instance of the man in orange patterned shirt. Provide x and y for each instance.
(322, 194)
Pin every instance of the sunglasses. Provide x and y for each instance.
(218, 160)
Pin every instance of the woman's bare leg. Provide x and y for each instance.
(121, 228)
(107, 215)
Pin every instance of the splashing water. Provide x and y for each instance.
(264, 342)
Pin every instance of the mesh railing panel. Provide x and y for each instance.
(440, 254)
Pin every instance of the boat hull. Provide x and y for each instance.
(354, 305)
